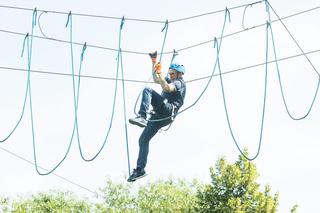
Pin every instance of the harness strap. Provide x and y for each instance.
(173, 116)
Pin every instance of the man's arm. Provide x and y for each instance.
(154, 67)
(157, 75)
(164, 84)
(154, 74)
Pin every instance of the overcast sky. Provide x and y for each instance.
(288, 159)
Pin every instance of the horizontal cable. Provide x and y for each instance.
(214, 12)
(295, 41)
(139, 81)
(255, 65)
(169, 52)
(81, 14)
(128, 19)
(75, 43)
(65, 74)
(59, 176)
(245, 30)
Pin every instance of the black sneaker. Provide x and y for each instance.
(136, 174)
(139, 121)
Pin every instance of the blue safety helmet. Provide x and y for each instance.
(178, 67)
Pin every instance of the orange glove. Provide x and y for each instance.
(153, 56)
(157, 68)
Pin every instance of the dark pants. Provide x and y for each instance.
(162, 110)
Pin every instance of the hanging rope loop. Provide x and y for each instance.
(166, 26)
(69, 18)
(267, 6)
(122, 23)
(83, 50)
(215, 42)
(174, 54)
(24, 44)
(227, 13)
(34, 19)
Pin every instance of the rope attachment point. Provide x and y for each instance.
(69, 17)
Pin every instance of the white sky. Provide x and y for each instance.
(289, 157)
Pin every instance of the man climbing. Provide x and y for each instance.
(165, 106)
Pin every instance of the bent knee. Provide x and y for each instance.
(148, 90)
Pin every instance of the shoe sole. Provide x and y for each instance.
(137, 123)
(132, 180)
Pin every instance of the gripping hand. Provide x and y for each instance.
(157, 68)
(153, 56)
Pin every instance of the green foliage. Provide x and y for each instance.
(160, 196)
(234, 189)
(53, 202)
(117, 198)
(294, 209)
(4, 204)
(168, 196)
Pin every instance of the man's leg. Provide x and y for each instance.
(144, 140)
(149, 97)
(148, 132)
(151, 129)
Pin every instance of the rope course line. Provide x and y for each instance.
(124, 97)
(55, 174)
(278, 70)
(214, 12)
(76, 104)
(263, 106)
(256, 65)
(144, 82)
(166, 27)
(125, 114)
(165, 52)
(227, 15)
(26, 39)
(77, 95)
(29, 47)
(217, 43)
(243, 17)
(295, 41)
(130, 19)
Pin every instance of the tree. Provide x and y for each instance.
(160, 196)
(53, 201)
(4, 204)
(233, 189)
(294, 209)
(117, 198)
(168, 196)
